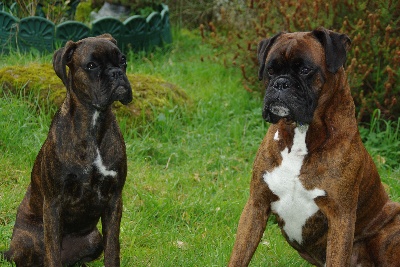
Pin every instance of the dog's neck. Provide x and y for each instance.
(336, 120)
(85, 119)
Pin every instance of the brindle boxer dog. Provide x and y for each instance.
(312, 170)
(80, 171)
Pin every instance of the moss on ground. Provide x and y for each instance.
(150, 94)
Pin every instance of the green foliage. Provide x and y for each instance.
(83, 10)
(79, 10)
(55, 11)
(22, 117)
(190, 14)
(139, 7)
(383, 138)
(13, 79)
(136, 3)
(373, 61)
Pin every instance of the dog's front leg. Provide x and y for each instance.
(251, 227)
(340, 240)
(52, 231)
(111, 220)
(340, 208)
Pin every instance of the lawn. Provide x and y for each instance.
(188, 170)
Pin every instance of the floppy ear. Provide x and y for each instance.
(262, 52)
(336, 46)
(61, 58)
(108, 37)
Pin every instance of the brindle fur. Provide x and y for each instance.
(57, 220)
(356, 222)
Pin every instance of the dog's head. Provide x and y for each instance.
(295, 67)
(97, 71)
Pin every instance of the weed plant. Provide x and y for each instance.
(188, 170)
(383, 139)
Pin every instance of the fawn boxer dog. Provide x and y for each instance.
(79, 173)
(312, 170)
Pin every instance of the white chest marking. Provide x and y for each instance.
(296, 204)
(101, 168)
(276, 136)
(95, 117)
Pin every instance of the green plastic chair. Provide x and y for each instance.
(8, 32)
(155, 26)
(135, 34)
(108, 25)
(36, 32)
(71, 30)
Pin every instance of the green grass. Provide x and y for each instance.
(189, 170)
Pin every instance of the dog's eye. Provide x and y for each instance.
(305, 70)
(270, 71)
(91, 65)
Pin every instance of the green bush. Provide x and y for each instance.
(373, 61)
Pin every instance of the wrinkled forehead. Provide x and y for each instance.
(98, 48)
(295, 46)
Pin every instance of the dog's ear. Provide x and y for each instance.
(262, 52)
(336, 46)
(61, 58)
(108, 37)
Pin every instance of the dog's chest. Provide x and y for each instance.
(90, 185)
(296, 204)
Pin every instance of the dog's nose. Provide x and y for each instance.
(116, 74)
(281, 84)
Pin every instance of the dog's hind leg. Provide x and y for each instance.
(81, 248)
(26, 249)
(385, 246)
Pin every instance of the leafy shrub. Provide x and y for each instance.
(373, 61)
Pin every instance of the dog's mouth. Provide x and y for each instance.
(279, 109)
(125, 101)
(123, 94)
